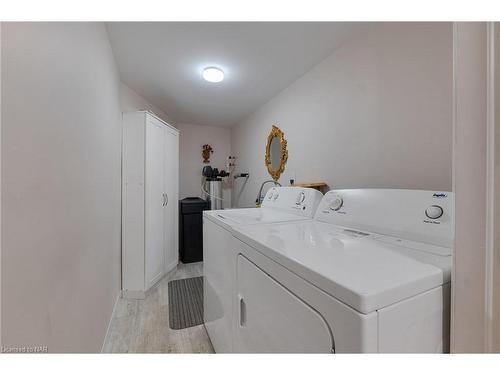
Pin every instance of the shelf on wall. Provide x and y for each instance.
(314, 185)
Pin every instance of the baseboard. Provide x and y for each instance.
(133, 294)
(110, 320)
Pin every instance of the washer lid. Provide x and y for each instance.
(250, 216)
(280, 204)
(351, 265)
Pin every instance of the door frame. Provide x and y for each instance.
(474, 304)
(492, 249)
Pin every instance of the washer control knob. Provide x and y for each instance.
(434, 212)
(336, 202)
(300, 198)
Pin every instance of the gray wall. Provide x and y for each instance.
(61, 135)
(376, 113)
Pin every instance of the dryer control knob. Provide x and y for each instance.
(335, 203)
(434, 212)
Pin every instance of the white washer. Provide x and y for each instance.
(281, 204)
(371, 273)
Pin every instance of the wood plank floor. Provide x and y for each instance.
(141, 326)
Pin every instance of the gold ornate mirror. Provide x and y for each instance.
(276, 153)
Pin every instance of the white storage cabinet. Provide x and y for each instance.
(150, 185)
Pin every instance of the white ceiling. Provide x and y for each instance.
(163, 62)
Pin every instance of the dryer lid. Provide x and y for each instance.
(353, 266)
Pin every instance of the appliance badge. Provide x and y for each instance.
(432, 221)
(439, 195)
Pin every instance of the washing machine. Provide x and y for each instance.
(371, 273)
(281, 204)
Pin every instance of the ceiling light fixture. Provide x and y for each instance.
(213, 74)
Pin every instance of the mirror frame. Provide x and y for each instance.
(276, 132)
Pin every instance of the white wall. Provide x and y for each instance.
(61, 136)
(192, 138)
(376, 113)
(132, 101)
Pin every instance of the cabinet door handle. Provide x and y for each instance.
(163, 200)
(242, 311)
(166, 197)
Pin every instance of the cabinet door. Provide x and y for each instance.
(171, 209)
(154, 203)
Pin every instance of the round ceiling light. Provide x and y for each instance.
(213, 75)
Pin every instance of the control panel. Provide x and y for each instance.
(417, 215)
(297, 200)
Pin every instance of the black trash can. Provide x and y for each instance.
(191, 229)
